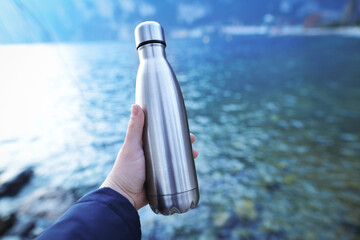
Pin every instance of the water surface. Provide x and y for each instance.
(276, 120)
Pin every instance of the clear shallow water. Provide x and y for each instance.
(276, 120)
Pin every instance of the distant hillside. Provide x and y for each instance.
(85, 20)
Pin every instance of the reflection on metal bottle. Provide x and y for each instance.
(171, 181)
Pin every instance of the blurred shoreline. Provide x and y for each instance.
(228, 31)
(233, 30)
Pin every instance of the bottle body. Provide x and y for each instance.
(171, 181)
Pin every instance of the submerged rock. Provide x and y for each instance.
(48, 203)
(37, 213)
(7, 222)
(23, 226)
(13, 183)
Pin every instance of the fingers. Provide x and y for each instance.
(135, 128)
(192, 137)
(195, 153)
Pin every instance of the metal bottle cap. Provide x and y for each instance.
(149, 32)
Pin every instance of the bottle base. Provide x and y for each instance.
(174, 203)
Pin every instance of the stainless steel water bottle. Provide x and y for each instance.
(171, 181)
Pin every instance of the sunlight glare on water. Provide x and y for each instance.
(34, 81)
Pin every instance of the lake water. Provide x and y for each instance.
(277, 121)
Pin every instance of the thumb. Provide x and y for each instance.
(135, 129)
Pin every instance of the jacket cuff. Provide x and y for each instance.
(114, 200)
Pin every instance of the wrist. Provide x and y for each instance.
(117, 187)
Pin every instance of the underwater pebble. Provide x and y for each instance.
(246, 209)
(233, 107)
(297, 124)
(283, 124)
(274, 118)
(240, 233)
(302, 149)
(348, 137)
(290, 179)
(331, 119)
(202, 120)
(324, 141)
(254, 142)
(207, 237)
(271, 106)
(348, 152)
(221, 218)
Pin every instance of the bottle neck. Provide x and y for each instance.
(152, 50)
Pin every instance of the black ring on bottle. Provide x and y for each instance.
(150, 41)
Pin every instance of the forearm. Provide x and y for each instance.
(102, 214)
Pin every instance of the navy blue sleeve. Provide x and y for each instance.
(102, 214)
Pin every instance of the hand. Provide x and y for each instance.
(128, 173)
